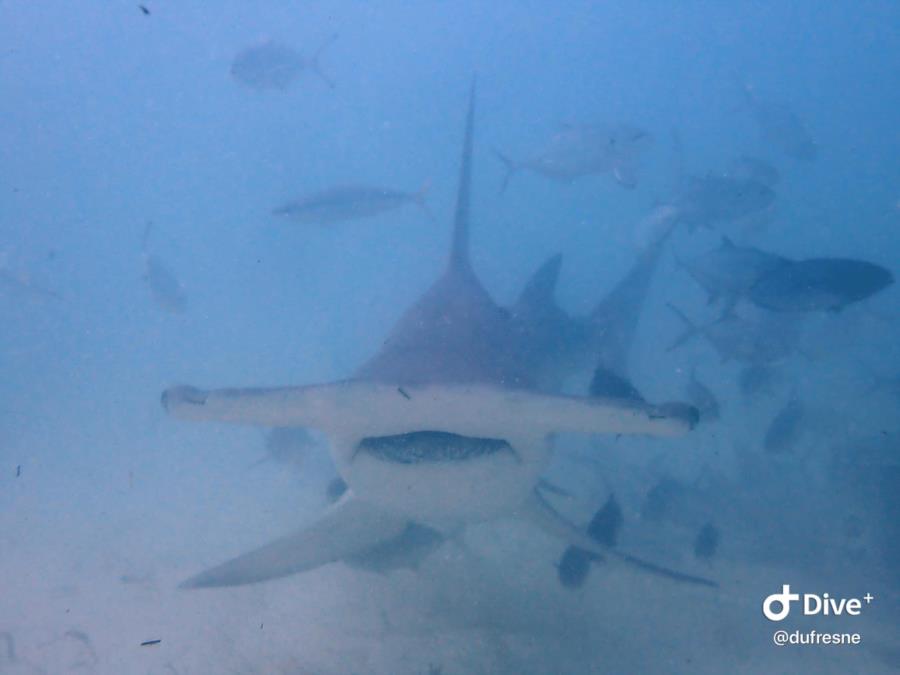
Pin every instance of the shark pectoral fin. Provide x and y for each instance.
(349, 527)
(540, 513)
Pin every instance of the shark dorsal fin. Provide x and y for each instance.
(541, 287)
(459, 254)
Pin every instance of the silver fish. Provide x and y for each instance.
(579, 150)
(271, 65)
(786, 427)
(350, 202)
(757, 379)
(780, 126)
(819, 284)
(729, 271)
(719, 199)
(753, 168)
(760, 340)
(166, 289)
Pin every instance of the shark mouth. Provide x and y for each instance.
(420, 447)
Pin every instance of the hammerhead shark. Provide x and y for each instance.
(450, 423)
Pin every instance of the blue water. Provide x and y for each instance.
(113, 119)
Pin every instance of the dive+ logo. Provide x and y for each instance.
(777, 606)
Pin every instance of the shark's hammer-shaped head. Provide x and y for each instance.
(434, 452)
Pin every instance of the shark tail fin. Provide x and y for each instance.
(691, 329)
(316, 66)
(510, 167)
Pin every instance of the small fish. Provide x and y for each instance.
(753, 168)
(578, 150)
(756, 379)
(819, 284)
(718, 199)
(150, 643)
(351, 202)
(762, 340)
(707, 542)
(702, 398)
(730, 271)
(780, 126)
(18, 470)
(144, 10)
(660, 499)
(271, 65)
(166, 289)
(786, 427)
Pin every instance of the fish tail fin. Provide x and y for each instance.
(511, 167)
(691, 329)
(316, 66)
